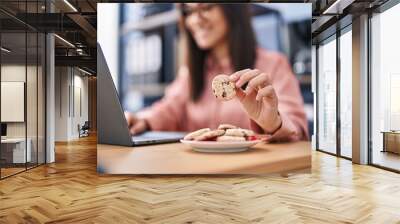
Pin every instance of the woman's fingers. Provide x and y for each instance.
(259, 81)
(135, 125)
(267, 91)
(139, 127)
(240, 94)
(130, 118)
(246, 77)
(235, 76)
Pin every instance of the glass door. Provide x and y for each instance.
(22, 76)
(326, 90)
(334, 94)
(35, 89)
(32, 98)
(345, 58)
(41, 107)
(14, 153)
(385, 89)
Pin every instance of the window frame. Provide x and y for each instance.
(379, 10)
(27, 29)
(343, 26)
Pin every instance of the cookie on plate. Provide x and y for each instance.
(209, 135)
(239, 132)
(223, 88)
(195, 134)
(226, 126)
(227, 138)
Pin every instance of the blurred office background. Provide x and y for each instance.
(141, 44)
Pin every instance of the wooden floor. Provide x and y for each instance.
(387, 159)
(70, 191)
(10, 171)
(5, 172)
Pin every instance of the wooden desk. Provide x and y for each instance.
(391, 141)
(178, 158)
(14, 148)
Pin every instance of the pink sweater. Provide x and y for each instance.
(176, 112)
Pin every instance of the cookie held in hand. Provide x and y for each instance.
(223, 88)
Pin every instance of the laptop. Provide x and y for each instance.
(111, 123)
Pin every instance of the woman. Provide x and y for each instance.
(220, 40)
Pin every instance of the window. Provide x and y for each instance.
(327, 96)
(385, 89)
(15, 146)
(346, 92)
(22, 77)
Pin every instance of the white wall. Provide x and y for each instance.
(108, 34)
(80, 83)
(12, 73)
(33, 127)
(68, 82)
(61, 103)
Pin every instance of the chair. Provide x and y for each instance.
(84, 130)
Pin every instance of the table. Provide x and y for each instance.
(177, 158)
(16, 152)
(391, 141)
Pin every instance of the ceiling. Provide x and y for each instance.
(74, 22)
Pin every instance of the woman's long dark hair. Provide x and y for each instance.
(242, 45)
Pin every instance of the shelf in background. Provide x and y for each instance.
(149, 90)
(304, 79)
(151, 22)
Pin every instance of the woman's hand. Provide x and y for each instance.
(259, 98)
(136, 125)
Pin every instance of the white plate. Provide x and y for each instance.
(213, 146)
